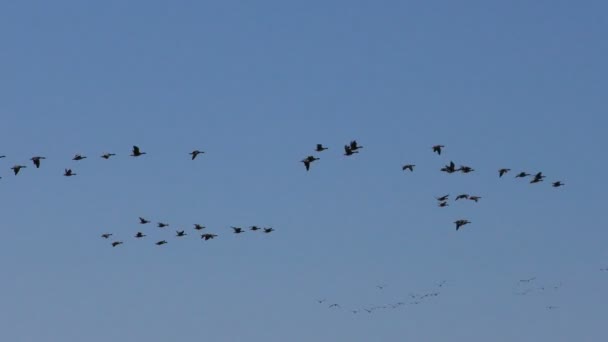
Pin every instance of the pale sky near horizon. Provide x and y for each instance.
(256, 85)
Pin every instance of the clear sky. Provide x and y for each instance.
(256, 84)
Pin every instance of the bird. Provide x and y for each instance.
(442, 198)
(195, 153)
(136, 152)
(143, 220)
(465, 169)
(408, 167)
(180, 233)
(460, 223)
(354, 146)
(161, 242)
(501, 172)
(462, 196)
(254, 228)
(334, 306)
(537, 178)
(349, 151)
(237, 230)
(474, 198)
(116, 243)
(198, 226)
(79, 157)
(208, 236)
(140, 235)
(557, 184)
(437, 148)
(522, 175)
(451, 168)
(162, 225)
(16, 168)
(268, 230)
(36, 160)
(443, 204)
(320, 148)
(69, 173)
(309, 160)
(106, 235)
(107, 155)
(2, 157)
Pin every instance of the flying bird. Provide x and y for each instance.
(162, 225)
(502, 172)
(268, 230)
(116, 243)
(320, 148)
(443, 204)
(443, 198)
(460, 223)
(465, 169)
(107, 155)
(451, 168)
(69, 173)
(537, 178)
(334, 306)
(408, 167)
(136, 152)
(106, 235)
(354, 146)
(254, 228)
(36, 160)
(195, 153)
(79, 157)
(557, 184)
(208, 236)
(437, 148)
(348, 151)
(180, 233)
(161, 242)
(198, 226)
(522, 175)
(16, 168)
(474, 198)
(140, 235)
(309, 160)
(462, 196)
(143, 220)
(237, 230)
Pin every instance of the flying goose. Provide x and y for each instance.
(320, 148)
(107, 155)
(408, 167)
(195, 153)
(143, 220)
(501, 172)
(180, 233)
(79, 157)
(208, 236)
(161, 242)
(437, 148)
(348, 151)
(116, 243)
(136, 152)
(460, 223)
(16, 168)
(106, 235)
(69, 173)
(140, 235)
(36, 160)
(198, 226)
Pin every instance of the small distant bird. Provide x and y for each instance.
(198, 226)
(254, 228)
(537, 178)
(237, 230)
(106, 235)
(309, 160)
(180, 233)
(320, 148)
(451, 168)
(16, 168)
(36, 160)
(161, 242)
(69, 173)
(116, 243)
(557, 184)
(354, 146)
(502, 172)
(443, 204)
(462, 196)
(442, 198)
(162, 225)
(334, 306)
(195, 153)
(460, 223)
(136, 152)
(268, 230)
(465, 169)
(107, 155)
(79, 157)
(522, 175)
(474, 198)
(140, 235)
(349, 151)
(143, 220)
(408, 167)
(437, 148)
(208, 236)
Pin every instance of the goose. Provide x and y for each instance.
(195, 153)
(474, 198)
(106, 235)
(254, 228)
(442, 198)
(501, 172)
(136, 152)
(180, 233)
(16, 168)
(69, 173)
(443, 204)
(107, 155)
(268, 230)
(143, 220)
(354, 146)
(408, 167)
(237, 230)
(349, 151)
(557, 184)
(320, 148)
(36, 160)
(451, 168)
(465, 169)
(437, 148)
(161, 242)
(208, 236)
(460, 223)
(198, 226)
(116, 243)
(522, 175)
(79, 157)
(162, 225)
(140, 235)
(537, 178)
(308, 160)
(462, 196)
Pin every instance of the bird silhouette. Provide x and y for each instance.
(140, 235)
(237, 230)
(474, 198)
(320, 148)
(69, 173)
(502, 172)
(460, 223)
(107, 155)
(557, 184)
(442, 198)
(36, 160)
(198, 226)
(208, 236)
(136, 152)
(180, 233)
(348, 151)
(195, 153)
(408, 167)
(161, 242)
(268, 230)
(116, 243)
(79, 157)
(522, 175)
(462, 196)
(438, 148)
(465, 169)
(451, 168)
(443, 204)
(537, 178)
(162, 225)
(17, 168)
(106, 235)
(354, 146)
(254, 228)
(308, 160)
(2, 157)
(143, 220)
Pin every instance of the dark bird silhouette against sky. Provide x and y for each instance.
(443, 198)
(79, 157)
(143, 220)
(18, 168)
(162, 225)
(408, 167)
(116, 243)
(36, 160)
(354, 146)
(320, 148)
(308, 160)
(136, 152)
(237, 230)
(502, 172)
(557, 184)
(69, 173)
(268, 230)
(348, 151)
(161, 242)
(460, 223)
(195, 153)
(208, 236)
(198, 226)
(140, 235)
(522, 175)
(438, 148)
(180, 233)
(106, 235)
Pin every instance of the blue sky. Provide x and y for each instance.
(515, 84)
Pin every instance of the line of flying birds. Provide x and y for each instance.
(182, 233)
